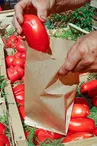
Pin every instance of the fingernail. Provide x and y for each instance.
(43, 18)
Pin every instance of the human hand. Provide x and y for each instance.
(82, 57)
(41, 7)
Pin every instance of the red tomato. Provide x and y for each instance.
(20, 46)
(22, 111)
(23, 56)
(95, 131)
(17, 55)
(4, 139)
(35, 33)
(20, 98)
(9, 60)
(43, 135)
(77, 136)
(18, 61)
(2, 144)
(12, 41)
(90, 86)
(80, 111)
(94, 101)
(12, 74)
(81, 100)
(2, 128)
(20, 71)
(81, 125)
(17, 89)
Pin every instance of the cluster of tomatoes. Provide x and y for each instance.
(4, 141)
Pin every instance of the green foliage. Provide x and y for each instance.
(93, 114)
(81, 17)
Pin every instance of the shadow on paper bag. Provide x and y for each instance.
(48, 96)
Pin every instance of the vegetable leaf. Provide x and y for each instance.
(93, 114)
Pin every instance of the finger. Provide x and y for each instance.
(42, 14)
(73, 58)
(16, 25)
(19, 7)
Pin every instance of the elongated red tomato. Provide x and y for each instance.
(91, 87)
(80, 111)
(4, 139)
(17, 89)
(35, 33)
(94, 101)
(2, 144)
(18, 61)
(81, 125)
(95, 131)
(9, 60)
(77, 136)
(2, 128)
(81, 100)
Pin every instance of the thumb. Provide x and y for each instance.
(42, 14)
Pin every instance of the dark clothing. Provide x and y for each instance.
(1, 2)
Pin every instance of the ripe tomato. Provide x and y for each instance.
(4, 139)
(80, 111)
(20, 46)
(95, 131)
(35, 33)
(81, 100)
(12, 74)
(18, 61)
(9, 60)
(94, 101)
(17, 55)
(17, 89)
(2, 144)
(12, 41)
(77, 136)
(2, 128)
(22, 111)
(90, 88)
(81, 125)
(20, 71)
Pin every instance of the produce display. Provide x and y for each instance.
(83, 123)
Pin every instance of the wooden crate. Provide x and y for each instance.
(14, 117)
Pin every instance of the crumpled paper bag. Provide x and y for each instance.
(48, 96)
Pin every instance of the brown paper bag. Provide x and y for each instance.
(48, 96)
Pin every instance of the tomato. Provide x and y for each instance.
(94, 101)
(12, 41)
(35, 33)
(92, 92)
(23, 55)
(4, 139)
(20, 55)
(15, 73)
(9, 60)
(2, 144)
(81, 125)
(20, 46)
(81, 100)
(80, 111)
(90, 86)
(18, 61)
(77, 136)
(95, 131)
(2, 128)
(12, 74)
(20, 98)
(22, 111)
(17, 55)
(20, 71)
(44, 134)
(17, 89)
